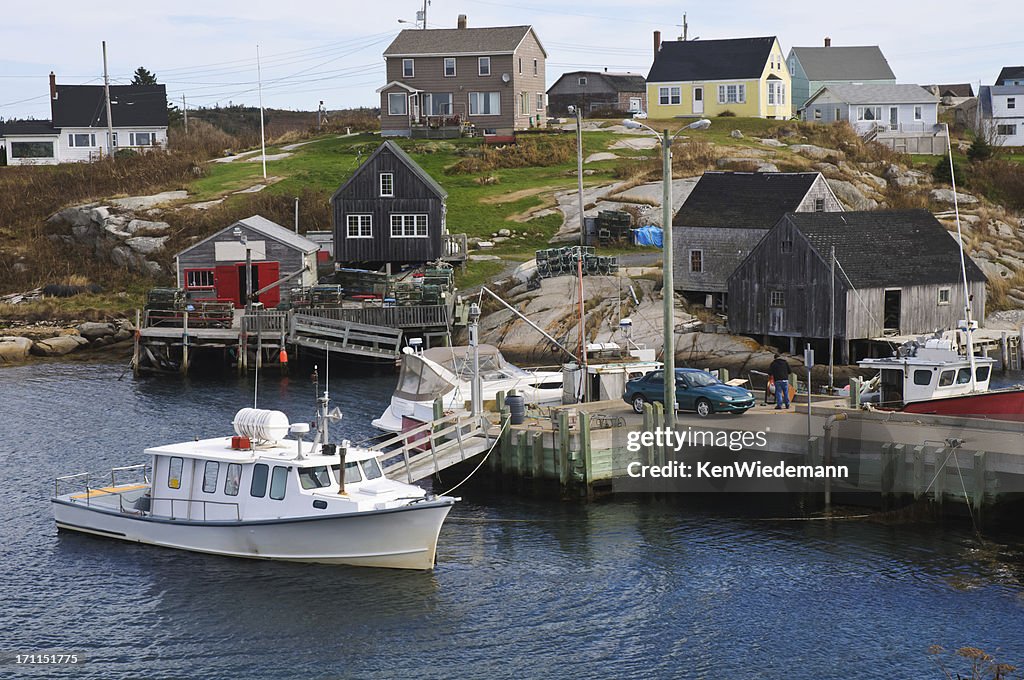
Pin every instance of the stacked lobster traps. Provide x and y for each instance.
(570, 260)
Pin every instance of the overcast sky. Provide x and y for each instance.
(315, 49)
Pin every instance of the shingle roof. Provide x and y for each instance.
(878, 94)
(1011, 72)
(886, 247)
(616, 82)
(84, 106)
(278, 233)
(27, 127)
(743, 200)
(405, 158)
(954, 90)
(451, 41)
(844, 63)
(689, 60)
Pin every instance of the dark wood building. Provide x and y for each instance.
(598, 91)
(725, 216)
(214, 268)
(389, 211)
(897, 273)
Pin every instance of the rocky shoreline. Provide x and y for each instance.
(21, 344)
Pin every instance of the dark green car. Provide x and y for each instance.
(696, 390)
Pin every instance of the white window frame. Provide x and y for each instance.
(201, 278)
(919, 112)
(520, 66)
(700, 257)
(386, 184)
(776, 298)
(535, 68)
(405, 104)
(771, 93)
(133, 138)
(90, 140)
(1006, 130)
(945, 299)
(540, 101)
(670, 95)
(447, 61)
(876, 110)
(1011, 102)
(524, 103)
(408, 68)
(781, 94)
(732, 93)
(480, 69)
(476, 97)
(409, 225)
(582, 81)
(359, 226)
(817, 114)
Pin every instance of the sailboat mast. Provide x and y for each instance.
(963, 268)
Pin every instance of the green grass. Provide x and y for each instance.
(478, 273)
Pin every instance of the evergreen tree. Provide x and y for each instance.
(144, 77)
(980, 149)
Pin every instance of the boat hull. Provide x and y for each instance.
(1005, 404)
(402, 538)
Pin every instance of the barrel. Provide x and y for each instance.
(517, 408)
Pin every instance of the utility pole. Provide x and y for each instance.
(667, 291)
(184, 109)
(425, 3)
(106, 95)
(685, 27)
(263, 136)
(320, 115)
(296, 214)
(832, 320)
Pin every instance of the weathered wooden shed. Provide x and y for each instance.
(215, 266)
(897, 272)
(389, 211)
(725, 216)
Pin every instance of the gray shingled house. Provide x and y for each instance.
(440, 80)
(811, 68)
(725, 216)
(897, 272)
(598, 91)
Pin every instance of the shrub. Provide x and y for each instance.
(727, 114)
(999, 180)
(980, 150)
(940, 173)
(526, 152)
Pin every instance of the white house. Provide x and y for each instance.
(78, 130)
(1002, 113)
(882, 107)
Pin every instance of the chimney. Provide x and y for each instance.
(53, 86)
(462, 21)
(828, 42)
(657, 43)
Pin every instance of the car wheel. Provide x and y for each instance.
(704, 408)
(638, 402)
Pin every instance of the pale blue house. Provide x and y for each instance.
(811, 68)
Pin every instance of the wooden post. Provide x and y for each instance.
(135, 350)
(658, 422)
(918, 474)
(585, 450)
(538, 455)
(563, 449)
(939, 487)
(184, 343)
(978, 495)
(1004, 353)
(499, 400)
(648, 451)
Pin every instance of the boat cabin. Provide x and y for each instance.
(926, 371)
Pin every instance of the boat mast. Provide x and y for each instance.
(968, 330)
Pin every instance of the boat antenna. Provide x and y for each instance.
(968, 330)
(256, 385)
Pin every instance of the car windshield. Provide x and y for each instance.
(700, 379)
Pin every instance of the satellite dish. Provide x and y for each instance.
(505, 77)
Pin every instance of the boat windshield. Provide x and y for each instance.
(700, 379)
(314, 477)
(371, 469)
(419, 382)
(351, 472)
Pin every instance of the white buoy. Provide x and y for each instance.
(261, 424)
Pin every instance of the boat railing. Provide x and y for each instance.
(188, 507)
(91, 482)
(424, 440)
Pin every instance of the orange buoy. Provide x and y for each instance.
(283, 356)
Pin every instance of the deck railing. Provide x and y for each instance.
(425, 438)
(416, 316)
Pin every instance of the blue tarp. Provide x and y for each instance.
(648, 236)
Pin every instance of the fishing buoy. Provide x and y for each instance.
(283, 356)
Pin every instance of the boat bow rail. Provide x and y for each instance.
(427, 449)
(85, 482)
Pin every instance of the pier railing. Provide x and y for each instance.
(444, 442)
(265, 322)
(418, 316)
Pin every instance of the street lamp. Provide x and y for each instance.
(575, 110)
(244, 238)
(667, 292)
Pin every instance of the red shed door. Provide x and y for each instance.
(225, 283)
(268, 273)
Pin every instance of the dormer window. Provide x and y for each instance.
(387, 184)
(484, 66)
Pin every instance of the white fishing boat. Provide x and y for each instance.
(262, 494)
(447, 372)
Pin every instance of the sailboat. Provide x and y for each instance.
(929, 375)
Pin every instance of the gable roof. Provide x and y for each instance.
(689, 60)
(952, 90)
(272, 230)
(454, 41)
(886, 247)
(401, 155)
(1011, 72)
(35, 128)
(744, 200)
(84, 106)
(844, 63)
(877, 94)
(616, 82)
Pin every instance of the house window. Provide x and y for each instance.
(540, 101)
(139, 138)
(210, 473)
(233, 479)
(278, 482)
(520, 66)
(82, 140)
(869, 113)
(524, 103)
(408, 226)
(732, 94)
(408, 68)
(483, 66)
(397, 104)
(669, 96)
(838, 114)
(771, 93)
(535, 71)
(776, 299)
(437, 103)
(918, 113)
(199, 279)
(1006, 130)
(258, 486)
(782, 94)
(696, 261)
(787, 245)
(817, 114)
(944, 296)
(360, 226)
(32, 150)
(174, 473)
(449, 67)
(1011, 102)
(819, 205)
(582, 81)
(484, 103)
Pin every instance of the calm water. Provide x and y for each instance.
(522, 588)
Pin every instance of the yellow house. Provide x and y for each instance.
(703, 78)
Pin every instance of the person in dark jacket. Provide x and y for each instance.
(779, 371)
